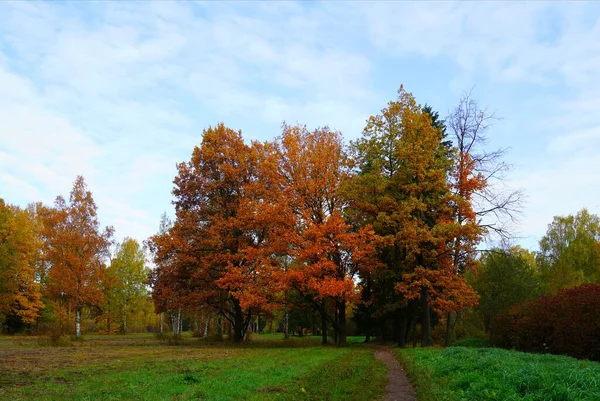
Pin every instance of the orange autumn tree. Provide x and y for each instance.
(327, 253)
(75, 249)
(222, 244)
(402, 188)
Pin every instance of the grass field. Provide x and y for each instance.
(474, 374)
(141, 367)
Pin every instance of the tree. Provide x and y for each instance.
(402, 189)
(505, 278)
(76, 249)
(127, 275)
(478, 181)
(167, 293)
(570, 251)
(20, 296)
(222, 243)
(496, 206)
(327, 252)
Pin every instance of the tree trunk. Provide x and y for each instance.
(426, 340)
(179, 322)
(220, 325)
(238, 322)
(206, 326)
(125, 318)
(342, 324)
(160, 327)
(448, 339)
(402, 328)
(323, 323)
(78, 322)
(336, 327)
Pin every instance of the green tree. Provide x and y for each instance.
(127, 276)
(505, 278)
(570, 251)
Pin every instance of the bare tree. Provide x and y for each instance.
(497, 207)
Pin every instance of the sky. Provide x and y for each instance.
(119, 92)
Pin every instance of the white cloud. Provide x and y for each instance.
(119, 91)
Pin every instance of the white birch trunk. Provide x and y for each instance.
(206, 326)
(78, 322)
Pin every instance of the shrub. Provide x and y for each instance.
(566, 324)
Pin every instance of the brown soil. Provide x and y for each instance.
(398, 387)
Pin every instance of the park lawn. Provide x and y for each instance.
(141, 367)
(461, 373)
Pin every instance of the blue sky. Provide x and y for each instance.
(120, 91)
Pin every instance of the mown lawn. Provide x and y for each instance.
(473, 374)
(141, 367)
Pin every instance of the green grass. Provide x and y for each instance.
(141, 367)
(460, 373)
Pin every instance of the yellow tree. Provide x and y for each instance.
(20, 297)
(126, 278)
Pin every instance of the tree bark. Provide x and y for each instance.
(324, 323)
(238, 322)
(220, 325)
(336, 328)
(160, 327)
(206, 326)
(78, 322)
(342, 324)
(426, 340)
(448, 339)
(125, 318)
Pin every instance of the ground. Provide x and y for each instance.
(143, 367)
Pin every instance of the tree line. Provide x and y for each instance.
(388, 225)
(384, 236)
(56, 265)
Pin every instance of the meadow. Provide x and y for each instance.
(143, 367)
(486, 374)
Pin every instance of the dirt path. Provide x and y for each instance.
(398, 388)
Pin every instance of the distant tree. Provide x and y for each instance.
(20, 295)
(127, 275)
(570, 251)
(505, 278)
(75, 250)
